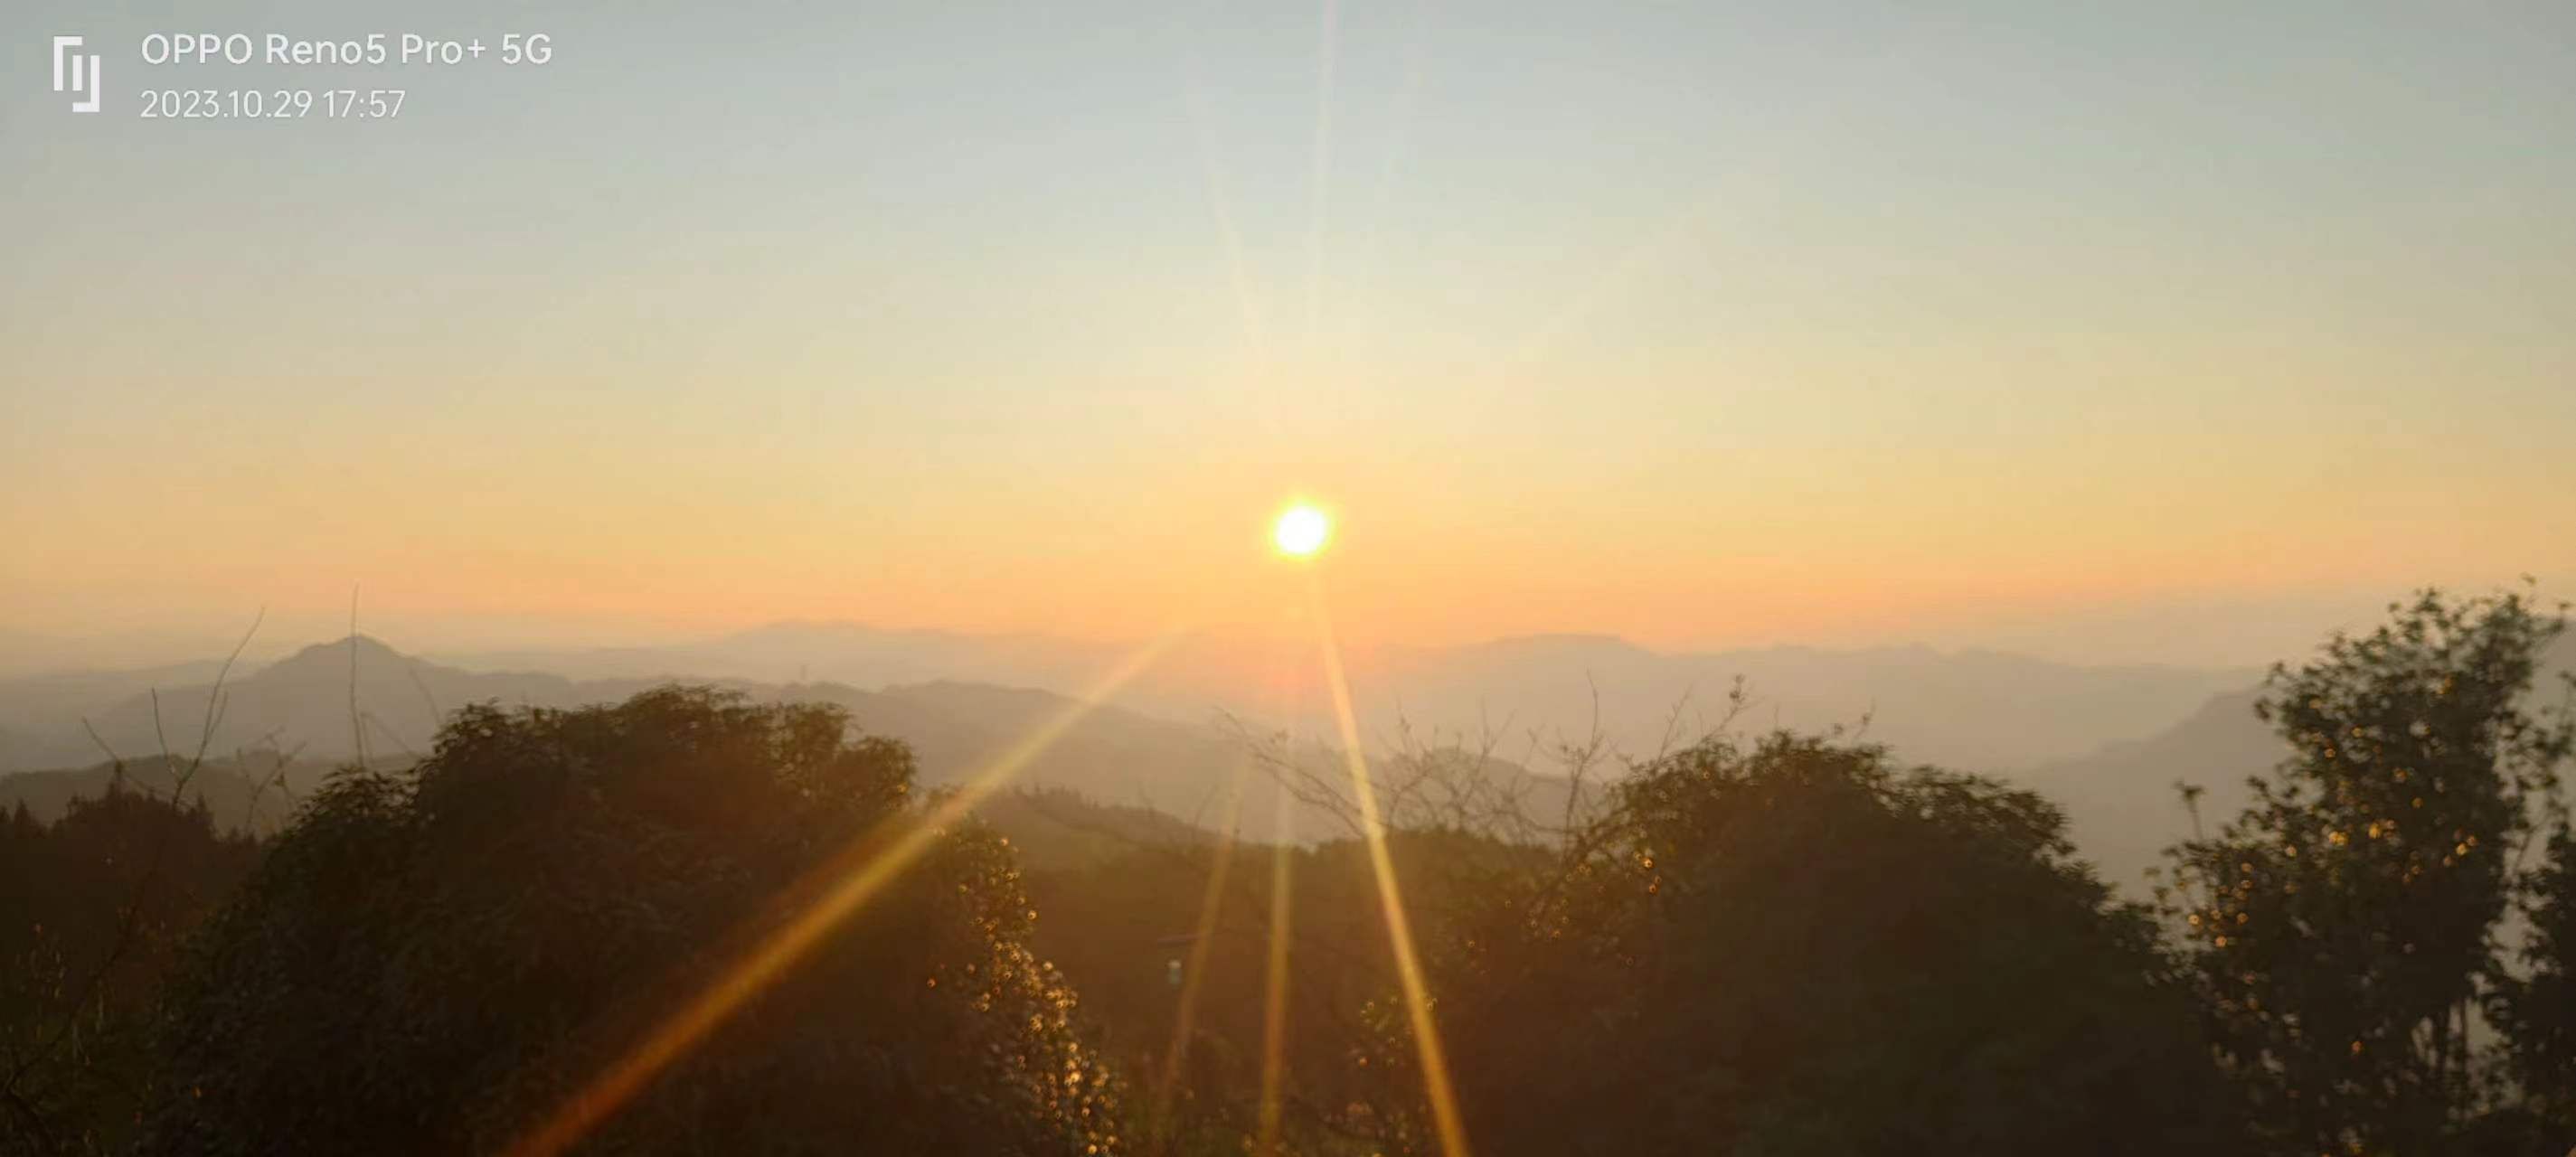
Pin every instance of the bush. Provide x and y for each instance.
(92, 909)
(1797, 948)
(431, 961)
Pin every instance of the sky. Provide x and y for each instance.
(2163, 332)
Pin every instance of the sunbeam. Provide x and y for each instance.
(844, 887)
(1399, 135)
(1221, 213)
(1319, 189)
(1399, 931)
(1669, 240)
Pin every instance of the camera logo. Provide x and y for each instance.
(83, 74)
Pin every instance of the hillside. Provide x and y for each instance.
(1981, 710)
(1973, 710)
(304, 703)
(258, 795)
(2116, 787)
(2121, 802)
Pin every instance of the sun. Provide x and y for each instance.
(1301, 530)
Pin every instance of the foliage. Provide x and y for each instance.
(430, 961)
(92, 908)
(2536, 1011)
(1796, 948)
(1116, 928)
(2343, 929)
(251, 791)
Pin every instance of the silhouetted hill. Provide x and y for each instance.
(1055, 829)
(1973, 710)
(2121, 803)
(1979, 710)
(307, 699)
(33, 708)
(256, 795)
(2122, 806)
(304, 702)
(1112, 755)
(836, 652)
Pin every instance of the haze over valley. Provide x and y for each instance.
(2108, 743)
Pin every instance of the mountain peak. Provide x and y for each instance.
(335, 655)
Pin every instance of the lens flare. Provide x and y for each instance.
(821, 902)
(1443, 1095)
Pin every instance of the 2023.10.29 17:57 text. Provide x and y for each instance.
(272, 103)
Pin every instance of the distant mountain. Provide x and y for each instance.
(2121, 736)
(1109, 755)
(2121, 802)
(2122, 806)
(307, 702)
(1972, 710)
(963, 701)
(1977, 710)
(33, 706)
(836, 652)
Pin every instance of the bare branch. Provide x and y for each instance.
(130, 920)
(357, 725)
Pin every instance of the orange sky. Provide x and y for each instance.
(1631, 321)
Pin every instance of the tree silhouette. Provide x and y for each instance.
(2342, 929)
(2536, 1011)
(427, 962)
(93, 908)
(1796, 947)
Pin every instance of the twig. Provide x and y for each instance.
(391, 734)
(357, 726)
(115, 761)
(276, 776)
(132, 916)
(436, 714)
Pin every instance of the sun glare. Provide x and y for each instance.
(1301, 530)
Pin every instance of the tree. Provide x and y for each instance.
(1797, 948)
(2342, 929)
(429, 961)
(92, 909)
(2536, 1012)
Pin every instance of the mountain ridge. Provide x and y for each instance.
(1979, 709)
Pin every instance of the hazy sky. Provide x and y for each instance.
(2132, 331)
